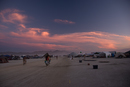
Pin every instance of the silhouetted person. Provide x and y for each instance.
(72, 57)
(24, 60)
(56, 57)
(84, 57)
(47, 59)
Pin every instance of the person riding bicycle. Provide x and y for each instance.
(47, 59)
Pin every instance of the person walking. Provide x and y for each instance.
(24, 60)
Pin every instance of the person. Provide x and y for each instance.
(71, 58)
(24, 60)
(84, 57)
(47, 59)
(56, 57)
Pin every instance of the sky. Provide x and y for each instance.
(72, 25)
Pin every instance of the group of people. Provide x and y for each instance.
(47, 59)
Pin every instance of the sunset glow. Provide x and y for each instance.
(24, 31)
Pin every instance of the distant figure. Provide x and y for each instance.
(56, 57)
(24, 60)
(84, 57)
(72, 57)
(47, 59)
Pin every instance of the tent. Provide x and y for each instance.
(120, 55)
(99, 55)
(3, 59)
(127, 54)
(80, 54)
(108, 54)
(85, 54)
(73, 54)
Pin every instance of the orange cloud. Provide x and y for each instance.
(12, 16)
(63, 21)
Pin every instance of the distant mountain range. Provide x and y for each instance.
(55, 52)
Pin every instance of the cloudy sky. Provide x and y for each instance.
(73, 25)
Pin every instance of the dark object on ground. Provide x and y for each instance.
(80, 61)
(89, 60)
(88, 63)
(103, 61)
(95, 66)
(3, 59)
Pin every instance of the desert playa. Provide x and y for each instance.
(63, 72)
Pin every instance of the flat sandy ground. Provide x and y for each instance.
(66, 73)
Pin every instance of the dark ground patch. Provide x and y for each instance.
(103, 61)
(90, 60)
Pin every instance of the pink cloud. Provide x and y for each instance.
(127, 38)
(15, 34)
(22, 28)
(107, 45)
(63, 21)
(32, 33)
(12, 16)
(101, 39)
(9, 11)
(2, 36)
(45, 34)
(41, 38)
(36, 29)
(3, 26)
(22, 25)
(25, 44)
(47, 46)
(17, 17)
(25, 34)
